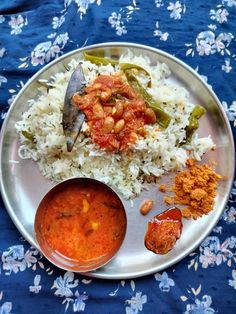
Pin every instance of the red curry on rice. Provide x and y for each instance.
(115, 112)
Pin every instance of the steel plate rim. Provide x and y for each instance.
(130, 45)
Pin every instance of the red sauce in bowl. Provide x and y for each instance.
(82, 221)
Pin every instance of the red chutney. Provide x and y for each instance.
(84, 223)
(163, 231)
(116, 114)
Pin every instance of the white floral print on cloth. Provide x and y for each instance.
(201, 306)
(135, 304)
(64, 288)
(17, 24)
(15, 259)
(165, 282)
(162, 35)
(232, 283)
(84, 4)
(214, 253)
(3, 79)
(230, 215)
(207, 43)
(230, 110)
(201, 34)
(6, 308)
(118, 20)
(46, 51)
(176, 9)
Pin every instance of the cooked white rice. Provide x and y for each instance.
(128, 172)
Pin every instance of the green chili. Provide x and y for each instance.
(196, 114)
(28, 135)
(163, 119)
(123, 66)
(100, 60)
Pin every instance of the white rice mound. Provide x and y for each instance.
(127, 172)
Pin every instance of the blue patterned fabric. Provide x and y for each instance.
(202, 34)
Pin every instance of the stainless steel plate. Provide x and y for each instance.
(23, 186)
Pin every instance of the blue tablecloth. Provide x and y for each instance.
(201, 33)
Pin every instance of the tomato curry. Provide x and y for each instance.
(84, 223)
(115, 112)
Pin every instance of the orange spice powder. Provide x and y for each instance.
(196, 188)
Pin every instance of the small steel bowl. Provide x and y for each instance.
(56, 257)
